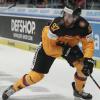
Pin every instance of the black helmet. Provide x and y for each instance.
(68, 10)
(77, 12)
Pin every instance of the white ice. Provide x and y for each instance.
(56, 85)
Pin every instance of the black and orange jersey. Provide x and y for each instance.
(80, 27)
(57, 32)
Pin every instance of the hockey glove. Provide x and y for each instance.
(88, 66)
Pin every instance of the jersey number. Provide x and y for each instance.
(54, 27)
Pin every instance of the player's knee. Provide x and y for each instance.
(35, 76)
(32, 77)
(80, 77)
(79, 67)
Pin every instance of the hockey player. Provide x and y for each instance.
(61, 38)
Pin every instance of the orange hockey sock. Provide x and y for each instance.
(28, 79)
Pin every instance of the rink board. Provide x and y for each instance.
(18, 44)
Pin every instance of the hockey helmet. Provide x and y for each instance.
(76, 12)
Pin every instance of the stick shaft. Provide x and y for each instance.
(95, 82)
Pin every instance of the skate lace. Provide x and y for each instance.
(10, 92)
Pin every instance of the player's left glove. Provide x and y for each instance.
(88, 66)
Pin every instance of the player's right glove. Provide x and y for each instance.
(88, 66)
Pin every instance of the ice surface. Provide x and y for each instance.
(55, 86)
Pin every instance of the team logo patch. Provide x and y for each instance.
(54, 27)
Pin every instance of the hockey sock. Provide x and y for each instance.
(79, 82)
(28, 79)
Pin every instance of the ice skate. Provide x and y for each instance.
(80, 96)
(7, 93)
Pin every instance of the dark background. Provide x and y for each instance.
(5, 28)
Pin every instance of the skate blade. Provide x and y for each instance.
(78, 98)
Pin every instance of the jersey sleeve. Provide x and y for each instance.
(88, 46)
(54, 29)
(55, 25)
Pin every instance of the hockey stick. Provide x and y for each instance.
(95, 82)
(13, 5)
(9, 7)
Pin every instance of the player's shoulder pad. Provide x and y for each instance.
(83, 23)
(56, 23)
